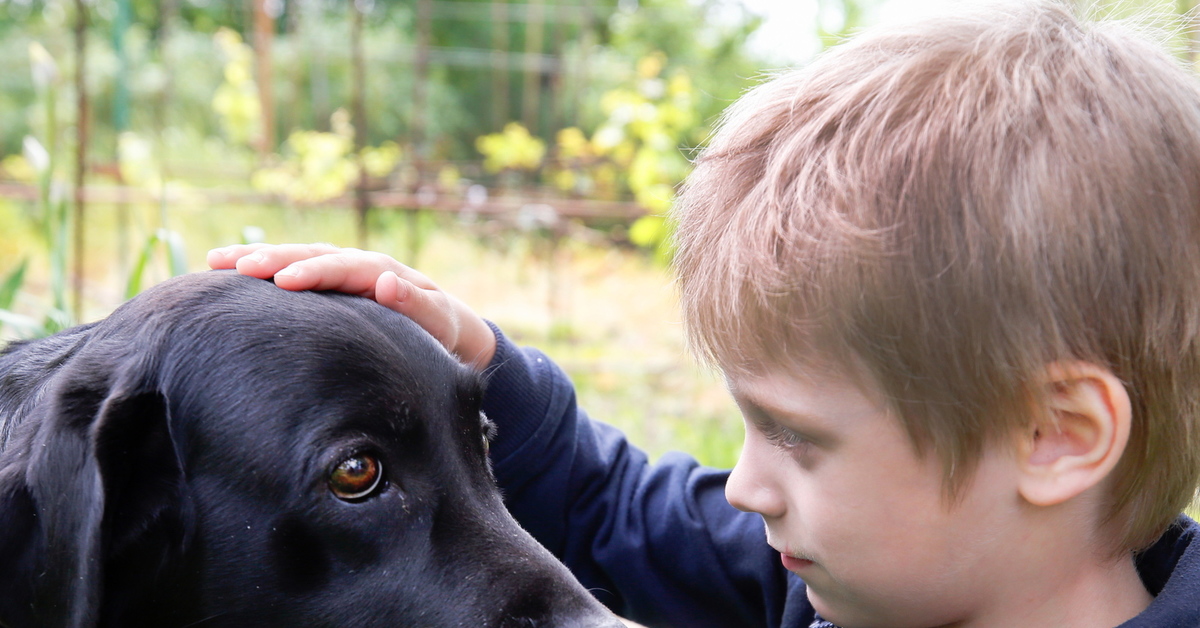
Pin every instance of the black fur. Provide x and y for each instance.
(168, 466)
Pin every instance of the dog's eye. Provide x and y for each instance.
(356, 476)
(489, 432)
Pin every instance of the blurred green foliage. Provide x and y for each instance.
(639, 81)
(49, 214)
(321, 165)
(511, 149)
(236, 100)
(186, 62)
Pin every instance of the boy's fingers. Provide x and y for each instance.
(352, 272)
(227, 256)
(266, 261)
(413, 276)
(364, 273)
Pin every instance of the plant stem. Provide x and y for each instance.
(81, 146)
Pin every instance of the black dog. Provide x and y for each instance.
(220, 452)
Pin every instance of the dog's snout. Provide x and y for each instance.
(598, 620)
(602, 622)
(551, 602)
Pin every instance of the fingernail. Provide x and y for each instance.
(289, 272)
(254, 258)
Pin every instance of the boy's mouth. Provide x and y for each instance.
(792, 560)
(793, 564)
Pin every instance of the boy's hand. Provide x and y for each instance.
(372, 275)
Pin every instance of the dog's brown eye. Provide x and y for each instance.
(489, 432)
(356, 476)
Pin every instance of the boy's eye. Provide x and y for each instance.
(781, 436)
(764, 423)
(775, 433)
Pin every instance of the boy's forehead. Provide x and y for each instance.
(811, 358)
(820, 387)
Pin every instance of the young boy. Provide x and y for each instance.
(951, 273)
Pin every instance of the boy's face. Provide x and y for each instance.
(859, 516)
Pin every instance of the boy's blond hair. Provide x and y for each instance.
(949, 207)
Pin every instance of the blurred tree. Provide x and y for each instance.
(480, 53)
(581, 49)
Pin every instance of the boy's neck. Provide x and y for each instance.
(1076, 596)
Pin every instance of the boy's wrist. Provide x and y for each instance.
(496, 354)
(516, 395)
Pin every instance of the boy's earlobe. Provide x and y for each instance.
(1079, 437)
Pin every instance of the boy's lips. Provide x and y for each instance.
(793, 564)
(794, 561)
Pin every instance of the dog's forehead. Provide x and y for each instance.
(231, 315)
(238, 349)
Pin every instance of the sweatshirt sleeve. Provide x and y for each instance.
(657, 543)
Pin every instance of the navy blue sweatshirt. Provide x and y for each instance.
(660, 545)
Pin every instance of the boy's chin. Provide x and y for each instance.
(847, 612)
(830, 612)
(829, 607)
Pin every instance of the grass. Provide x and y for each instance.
(607, 315)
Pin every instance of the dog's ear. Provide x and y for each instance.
(20, 547)
(98, 510)
(148, 511)
(53, 507)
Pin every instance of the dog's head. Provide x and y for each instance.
(222, 452)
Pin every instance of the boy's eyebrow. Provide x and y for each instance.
(812, 427)
(753, 412)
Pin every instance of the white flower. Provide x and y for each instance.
(45, 70)
(35, 154)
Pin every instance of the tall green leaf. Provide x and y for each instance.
(23, 326)
(176, 259)
(12, 283)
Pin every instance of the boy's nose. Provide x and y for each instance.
(751, 486)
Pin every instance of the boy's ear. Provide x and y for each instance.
(1078, 439)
